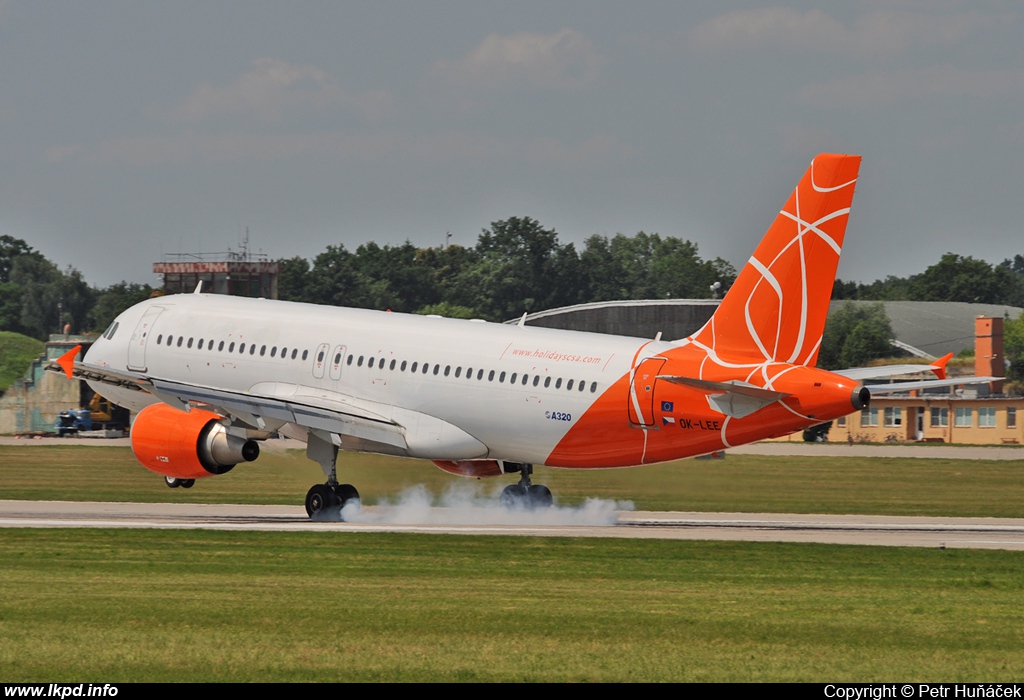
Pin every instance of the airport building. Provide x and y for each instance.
(955, 419)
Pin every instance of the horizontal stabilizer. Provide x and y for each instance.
(736, 399)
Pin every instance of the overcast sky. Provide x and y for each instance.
(133, 129)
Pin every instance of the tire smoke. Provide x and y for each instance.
(467, 504)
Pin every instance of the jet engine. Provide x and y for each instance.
(188, 445)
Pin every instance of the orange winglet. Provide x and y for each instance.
(939, 366)
(67, 361)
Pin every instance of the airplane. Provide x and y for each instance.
(212, 375)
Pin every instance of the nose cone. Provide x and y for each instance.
(101, 352)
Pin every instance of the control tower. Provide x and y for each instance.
(242, 274)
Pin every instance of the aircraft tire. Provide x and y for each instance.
(319, 499)
(513, 496)
(345, 493)
(172, 482)
(187, 483)
(540, 496)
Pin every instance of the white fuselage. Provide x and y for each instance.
(501, 384)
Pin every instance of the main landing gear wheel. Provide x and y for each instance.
(327, 500)
(540, 496)
(513, 495)
(345, 493)
(186, 483)
(526, 494)
(528, 497)
(319, 500)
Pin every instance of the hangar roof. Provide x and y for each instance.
(936, 327)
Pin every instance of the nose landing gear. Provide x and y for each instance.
(174, 483)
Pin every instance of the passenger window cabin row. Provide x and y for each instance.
(437, 370)
(230, 347)
(523, 379)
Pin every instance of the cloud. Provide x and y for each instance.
(565, 59)
(273, 89)
(768, 27)
(879, 89)
(441, 148)
(878, 32)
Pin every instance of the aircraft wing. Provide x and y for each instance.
(938, 367)
(362, 425)
(67, 364)
(927, 384)
(360, 430)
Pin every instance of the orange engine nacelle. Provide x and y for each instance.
(187, 445)
(474, 467)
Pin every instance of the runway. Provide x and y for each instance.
(792, 449)
(974, 533)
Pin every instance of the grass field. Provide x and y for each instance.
(108, 606)
(16, 354)
(123, 605)
(742, 483)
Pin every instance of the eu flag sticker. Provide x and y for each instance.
(667, 406)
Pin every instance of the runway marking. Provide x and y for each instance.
(993, 533)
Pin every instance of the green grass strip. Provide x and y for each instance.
(109, 606)
(742, 483)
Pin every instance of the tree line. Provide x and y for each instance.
(516, 266)
(38, 298)
(953, 278)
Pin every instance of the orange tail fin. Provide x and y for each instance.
(777, 307)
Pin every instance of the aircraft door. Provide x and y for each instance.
(320, 360)
(137, 344)
(641, 392)
(336, 359)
